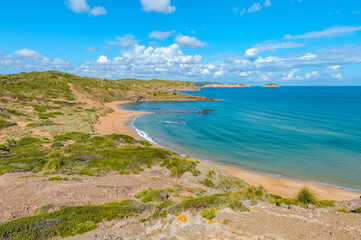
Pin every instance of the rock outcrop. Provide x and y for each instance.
(205, 111)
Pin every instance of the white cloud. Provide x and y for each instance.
(262, 47)
(254, 8)
(161, 35)
(292, 75)
(328, 32)
(162, 6)
(90, 49)
(311, 75)
(189, 42)
(235, 9)
(126, 41)
(267, 3)
(81, 6)
(30, 60)
(333, 71)
(102, 59)
(97, 11)
(26, 53)
(243, 12)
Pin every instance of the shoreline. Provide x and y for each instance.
(121, 122)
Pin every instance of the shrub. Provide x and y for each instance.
(325, 203)
(151, 195)
(207, 182)
(5, 124)
(306, 196)
(358, 210)
(43, 209)
(287, 201)
(85, 227)
(27, 140)
(343, 210)
(209, 213)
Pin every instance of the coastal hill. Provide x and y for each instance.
(62, 175)
(271, 85)
(221, 85)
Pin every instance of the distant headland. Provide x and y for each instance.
(220, 85)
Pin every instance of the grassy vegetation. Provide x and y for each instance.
(151, 195)
(306, 196)
(209, 213)
(358, 210)
(325, 203)
(288, 201)
(83, 154)
(67, 221)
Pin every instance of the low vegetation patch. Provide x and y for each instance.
(287, 201)
(67, 221)
(84, 154)
(325, 203)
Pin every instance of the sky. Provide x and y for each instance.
(289, 42)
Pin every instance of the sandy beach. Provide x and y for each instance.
(118, 122)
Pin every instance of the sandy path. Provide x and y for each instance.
(289, 188)
(117, 121)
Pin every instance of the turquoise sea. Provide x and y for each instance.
(303, 133)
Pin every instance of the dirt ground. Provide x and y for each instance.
(21, 196)
(264, 222)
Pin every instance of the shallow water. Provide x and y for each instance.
(306, 133)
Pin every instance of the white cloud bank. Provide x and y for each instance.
(161, 6)
(170, 62)
(81, 6)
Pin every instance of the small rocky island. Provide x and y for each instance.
(205, 111)
(271, 85)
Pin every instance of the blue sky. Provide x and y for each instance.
(290, 42)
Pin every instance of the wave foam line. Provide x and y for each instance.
(142, 134)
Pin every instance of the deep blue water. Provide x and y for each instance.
(306, 133)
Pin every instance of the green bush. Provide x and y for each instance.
(325, 203)
(306, 196)
(358, 210)
(209, 213)
(43, 209)
(287, 201)
(343, 210)
(151, 195)
(85, 227)
(207, 182)
(28, 140)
